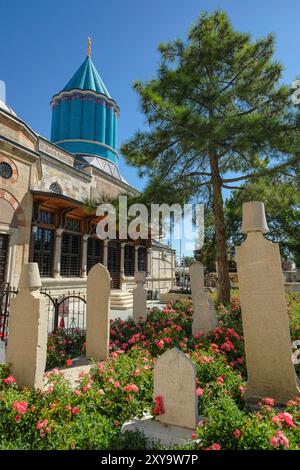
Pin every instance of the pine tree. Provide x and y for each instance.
(218, 115)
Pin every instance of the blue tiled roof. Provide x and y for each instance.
(87, 78)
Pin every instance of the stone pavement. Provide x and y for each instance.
(80, 366)
(124, 314)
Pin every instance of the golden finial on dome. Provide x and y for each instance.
(89, 47)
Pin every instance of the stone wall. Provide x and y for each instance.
(18, 150)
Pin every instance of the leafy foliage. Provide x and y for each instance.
(120, 388)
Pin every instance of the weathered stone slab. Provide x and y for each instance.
(28, 330)
(175, 382)
(140, 297)
(97, 313)
(271, 372)
(204, 316)
(159, 432)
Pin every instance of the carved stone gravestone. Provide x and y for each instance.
(28, 330)
(97, 313)
(271, 372)
(175, 384)
(204, 317)
(140, 297)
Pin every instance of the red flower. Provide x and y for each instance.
(9, 380)
(287, 418)
(69, 362)
(215, 446)
(158, 408)
(269, 401)
(279, 439)
(131, 388)
(75, 410)
(42, 424)
(20, 407)
(227, 346)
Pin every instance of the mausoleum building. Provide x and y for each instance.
(46, 190)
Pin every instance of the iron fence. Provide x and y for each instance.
(66, 311)
(6, 294)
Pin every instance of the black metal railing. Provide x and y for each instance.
(67, 311)
(6, 294)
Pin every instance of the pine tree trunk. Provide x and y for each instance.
(221, 239)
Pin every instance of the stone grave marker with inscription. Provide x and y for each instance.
(175, 383)
(97, 313)
(271, 372)
(140, 297)
(204, 317)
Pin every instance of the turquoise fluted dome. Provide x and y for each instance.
(84, 116)
(87, 78)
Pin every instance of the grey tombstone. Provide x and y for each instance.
(175, 383)
(97, 313)
(140, 297)
(204, 317)
(28, 330)
(271, 372)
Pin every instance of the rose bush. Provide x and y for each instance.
(120, 388)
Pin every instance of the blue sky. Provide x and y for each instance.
(42, 43)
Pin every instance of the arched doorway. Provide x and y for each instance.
(11, 218)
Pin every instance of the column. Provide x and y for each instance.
(105, 253)
(149, 264)
(136, 258)
(122, 259)
(84, 255)
(58, 235)
(173, 269)
(122, 273)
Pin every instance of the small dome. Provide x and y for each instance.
(6, 108)
(87, 78)
(84, 116)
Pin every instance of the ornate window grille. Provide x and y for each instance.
(55, 188)
(113, 263)
(70, 261)
(129, 252)
(142, 259)
(94, 252)
(6, 170)
(43, 250)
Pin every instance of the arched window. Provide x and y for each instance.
(55, 188)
